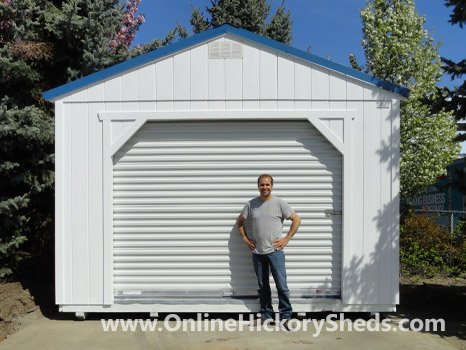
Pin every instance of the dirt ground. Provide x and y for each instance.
(16, 303)
(21, 305)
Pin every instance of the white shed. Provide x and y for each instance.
(156, 156)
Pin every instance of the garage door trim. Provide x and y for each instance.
(111, 141)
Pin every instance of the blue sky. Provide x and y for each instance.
(331, 28)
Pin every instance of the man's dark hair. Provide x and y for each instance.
(262, 176)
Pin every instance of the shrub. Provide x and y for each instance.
(428, 249)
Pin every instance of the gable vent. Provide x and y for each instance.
(225, 49)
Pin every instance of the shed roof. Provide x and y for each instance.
(212, 34)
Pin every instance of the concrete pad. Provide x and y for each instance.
(89, 334)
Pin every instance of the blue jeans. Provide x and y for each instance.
(276, 263)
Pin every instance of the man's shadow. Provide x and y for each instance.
(243, 279)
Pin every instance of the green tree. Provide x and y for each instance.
(399, 50)
(43, 44)
(453, 100)
(179, 32)
(26, 134)
(251, 15)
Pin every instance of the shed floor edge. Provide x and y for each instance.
(321, 306)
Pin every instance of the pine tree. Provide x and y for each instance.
(198, 22)
(82, 32)
(279, 27)
(179, 32)
(453, 100)
(26, 133)
(399, 50)
(251, 15)
(43, 44)
(459, 11)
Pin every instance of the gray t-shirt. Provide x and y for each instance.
(267, 222)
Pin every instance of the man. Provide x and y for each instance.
(267, 213)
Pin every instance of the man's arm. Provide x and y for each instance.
(240, 224)
(295, 222)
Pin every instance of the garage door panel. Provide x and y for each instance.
(178, 188)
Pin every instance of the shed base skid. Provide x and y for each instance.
(222, 306)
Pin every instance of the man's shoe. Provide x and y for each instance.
(285, 324)
(261, 321)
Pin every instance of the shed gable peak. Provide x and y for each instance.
(228, 51)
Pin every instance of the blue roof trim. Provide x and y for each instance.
(207, 35)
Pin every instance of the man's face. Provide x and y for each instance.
(265, 186)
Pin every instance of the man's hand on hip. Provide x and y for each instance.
(250, 243)
(281, 243)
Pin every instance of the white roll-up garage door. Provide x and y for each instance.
(179, 187)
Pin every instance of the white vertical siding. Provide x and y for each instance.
(130, 86)
(68, 195)
(96, 93)
(199, 105)
(251, 73)
(385, 224)
(216, 80)
(321, 104)
(199, 69)
(337, 88)
(181, 105)
(113, 89)
(303, 104)
(80, 195)
(113, 106)
(320, 84)
(182, 76)
(165, 105)
(268, 104)
(80, 95)
(80, 264)
(107, 197)
(147, 106)
(371, 94)
(146, 83)
(233, 79)
(354, 91)
(302, 81)
(95, 207)
(62, 274)
(267, 75)
(372, 202)
(338, 105)
(130, 107)
(164, 79)
(216, 105)
(352, 279)
(250, 105)
(234, 105)
(286, 77)
(285, 105)
(395, 204)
